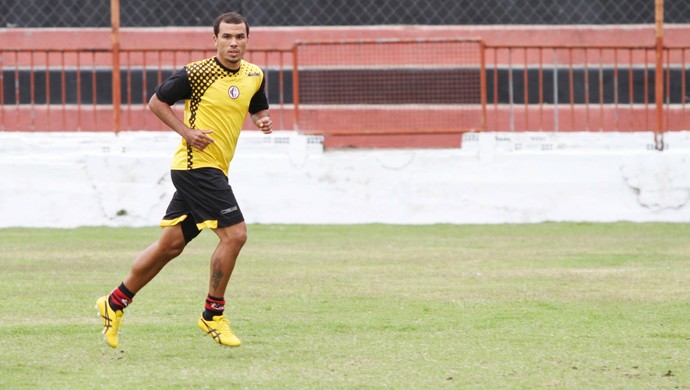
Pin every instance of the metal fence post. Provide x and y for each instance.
(115, 33)
(659, 76)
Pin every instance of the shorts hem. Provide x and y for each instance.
(173, 222)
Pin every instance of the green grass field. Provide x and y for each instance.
(552, 305)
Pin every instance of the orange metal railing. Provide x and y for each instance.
(77, 90)
(396, 86)
(551, 88)
(585, 88)
(525, 88)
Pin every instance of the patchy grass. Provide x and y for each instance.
(359, 306)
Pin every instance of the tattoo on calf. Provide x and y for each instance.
(216, 277)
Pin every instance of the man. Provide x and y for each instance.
(218, 92)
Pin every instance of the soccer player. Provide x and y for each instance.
(218, 93)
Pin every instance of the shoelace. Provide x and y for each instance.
(223, 325)
(218, 331)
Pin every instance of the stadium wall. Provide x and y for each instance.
(285, 37)
(91, 179)
(43, 118)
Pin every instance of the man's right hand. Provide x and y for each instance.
(198, 138)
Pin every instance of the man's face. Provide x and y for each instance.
(231, 43)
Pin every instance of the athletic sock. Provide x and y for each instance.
(214, 307)
(120, 298)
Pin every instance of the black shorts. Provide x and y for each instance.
(203, 199)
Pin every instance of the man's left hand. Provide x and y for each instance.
(265, 124)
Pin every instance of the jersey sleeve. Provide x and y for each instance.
(175, 88)
(259, 101)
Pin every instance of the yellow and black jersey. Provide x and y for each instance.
(216, 98)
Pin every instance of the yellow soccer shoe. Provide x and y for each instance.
(219, 330)
(112, 320)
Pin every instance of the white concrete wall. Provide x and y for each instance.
(85, 179)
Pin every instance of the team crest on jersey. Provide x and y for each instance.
(234, 92)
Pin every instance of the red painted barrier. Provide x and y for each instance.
(615, 81)
(282, 38)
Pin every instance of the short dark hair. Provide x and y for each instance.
(230, 18)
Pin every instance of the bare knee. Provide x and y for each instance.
(233, 236)
(173, 249)
(171, 244)
(237, 239)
